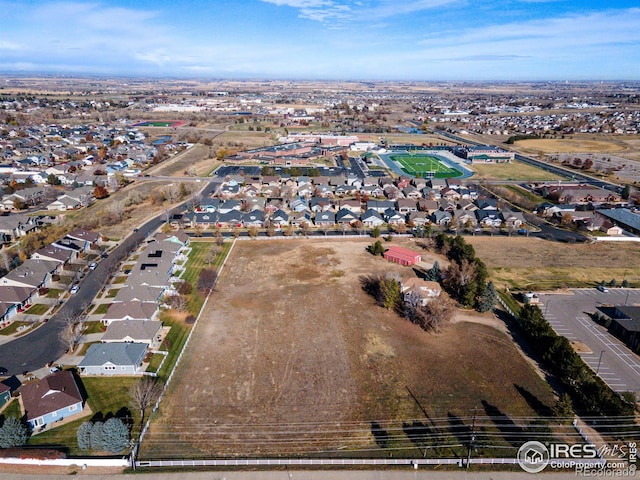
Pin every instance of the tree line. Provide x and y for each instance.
(466, 277)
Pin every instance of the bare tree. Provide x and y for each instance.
(177, 302)
(70, 335)
(144, 394)
(437, 313)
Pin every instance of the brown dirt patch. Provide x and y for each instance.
(291, 358)
(580, 347)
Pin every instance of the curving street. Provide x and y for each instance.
(43, 345)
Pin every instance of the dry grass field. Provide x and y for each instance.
(568, 145)
(533, 263)
(292, 357)
(511, 171)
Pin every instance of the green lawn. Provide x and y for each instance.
(12, 409)
(120, 279)
(197, 261)
(173, 342)
(154, 363)
(38, 309)
(54, 293)
(101, 309)
(93, 327)
(419, 165)
(13, 328)
(112, 292)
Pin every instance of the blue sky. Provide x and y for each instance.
(427, 40)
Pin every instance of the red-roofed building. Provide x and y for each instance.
(403, 256)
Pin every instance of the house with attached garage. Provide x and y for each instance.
(51, 399)
(134, 331)
(420, 291)
(118, 358)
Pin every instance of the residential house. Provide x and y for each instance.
(13, 299)
(85, 238)
(354, 206)
(345, 216)
(32, 274)
(407, 205)
(393, 217)
(419, 219)
(54, 254)
(279, 218)
(442, 218)
(253, 219)
(512, 220)
(371, 218)
(324, 219)
(118, 358)
(416, 290)
(51, 399)
(380, 206)
(132, 310)
(64, 203)
(134, 331)
(488, 218)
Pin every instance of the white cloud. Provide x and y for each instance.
(335, 12)
(555, 37)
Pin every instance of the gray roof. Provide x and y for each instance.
(131, 310)
(136, 330)
(120, 354)
(622, 216)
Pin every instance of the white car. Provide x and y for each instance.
(74, 289)
(93, 266)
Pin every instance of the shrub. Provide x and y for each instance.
(115, 435)
(96, 436)
(13, 433)
(84, 435)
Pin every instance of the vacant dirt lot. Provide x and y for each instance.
(292, 356)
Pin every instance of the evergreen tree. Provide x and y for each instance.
(13, 433)
(96, 436)
(564, 406)
(390, 293)
(377, 248)
(115, 435)
(83, 435)
(434, 274)
(488, 298)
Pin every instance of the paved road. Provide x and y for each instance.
(319, 475)
(609, 357)
(33, 351)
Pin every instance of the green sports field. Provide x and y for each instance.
(420, 165)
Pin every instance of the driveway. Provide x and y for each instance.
(568, 314)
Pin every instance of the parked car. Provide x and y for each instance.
(603, 288)
(93, 266)
(74, 289)
(3, 371)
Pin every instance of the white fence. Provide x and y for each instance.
(68, 462)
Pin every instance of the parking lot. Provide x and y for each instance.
(568, 314)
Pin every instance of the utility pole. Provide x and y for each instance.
(599, 362)
(472, 438)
